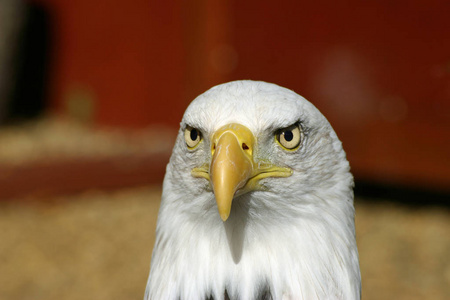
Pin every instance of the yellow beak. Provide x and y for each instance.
(232, 170)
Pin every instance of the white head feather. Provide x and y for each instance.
(293, 240)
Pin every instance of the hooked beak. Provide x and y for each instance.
(233, 170)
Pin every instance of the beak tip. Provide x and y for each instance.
(224, 216)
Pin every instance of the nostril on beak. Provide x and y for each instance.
(244, 146)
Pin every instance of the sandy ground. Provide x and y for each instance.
(97, 245)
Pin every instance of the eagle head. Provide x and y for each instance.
(257, 202)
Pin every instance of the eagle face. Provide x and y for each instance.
(257, 202)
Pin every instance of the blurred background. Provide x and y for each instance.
(92, 93)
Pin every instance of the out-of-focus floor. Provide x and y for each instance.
(97, 245)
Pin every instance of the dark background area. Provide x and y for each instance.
(379, 70)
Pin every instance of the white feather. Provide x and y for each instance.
(296, 238)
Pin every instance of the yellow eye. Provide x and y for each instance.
(192, 137)
(290, 137)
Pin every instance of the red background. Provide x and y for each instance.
(379, 70)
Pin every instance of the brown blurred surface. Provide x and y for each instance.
(92, 246)
(58, 156)
(97, 245)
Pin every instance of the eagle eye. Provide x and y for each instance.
(192, 136)
(290, 137)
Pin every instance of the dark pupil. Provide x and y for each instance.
(194, 134)
(288, 135)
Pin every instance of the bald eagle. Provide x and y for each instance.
(257, 202)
